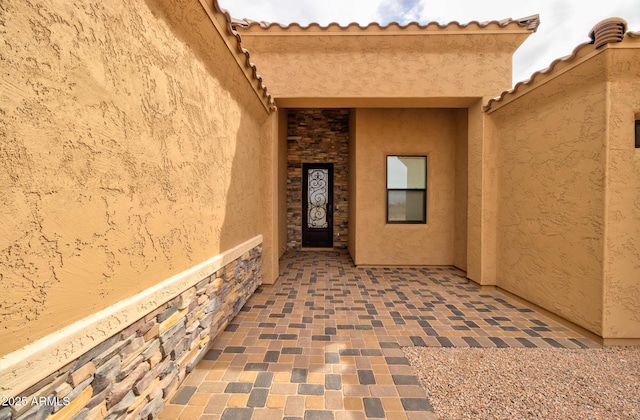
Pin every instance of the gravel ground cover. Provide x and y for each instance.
(525, 383)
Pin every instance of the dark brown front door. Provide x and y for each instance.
(317, 205)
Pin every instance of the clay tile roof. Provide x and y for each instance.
(610, 30)
(240, 49)
(529, 22)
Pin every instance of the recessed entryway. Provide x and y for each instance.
(317, 178)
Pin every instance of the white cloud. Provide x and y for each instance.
(564, 23)
(304, 12)
(401, 11)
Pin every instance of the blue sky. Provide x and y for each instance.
(564, 23)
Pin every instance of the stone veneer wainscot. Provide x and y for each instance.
(134, 372)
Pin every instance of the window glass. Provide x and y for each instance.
(406, 172)
(406, 206)
(406, 189)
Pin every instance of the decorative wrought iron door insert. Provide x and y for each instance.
(317, 205)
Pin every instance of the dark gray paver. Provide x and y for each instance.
(333, 381)
(238, 388)
(271, 356)
(416, 404)
(258, 397)
(237, 414)
(299, 375)
(263, 380)
(261, 367)
(366, 377)
(397, 360)
(212, 354)
(405, 380)
(318, 415)
(183, 395)
(331, 358)
(311, 389)
(373, 408)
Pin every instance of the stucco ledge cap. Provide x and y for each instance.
(22, 368)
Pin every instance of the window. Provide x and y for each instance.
(637, 134)
(406, 189)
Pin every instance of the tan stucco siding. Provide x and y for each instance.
(382, 132)
(551, 169)
(353, 187)
(622, 243)
(268, 215)
(383, 67)
(129, 153)
(476, 203)
(461, 189)
(282, 181)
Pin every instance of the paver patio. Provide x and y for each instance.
(325, 341)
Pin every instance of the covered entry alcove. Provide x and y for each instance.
(404, 90)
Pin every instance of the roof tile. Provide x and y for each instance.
(240, 49)
(612, 30)
(530, 22)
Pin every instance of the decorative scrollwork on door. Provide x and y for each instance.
(318, 196)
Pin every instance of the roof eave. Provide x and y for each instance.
(607, 32)
(527, 24)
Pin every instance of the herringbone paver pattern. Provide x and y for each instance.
(324, 342)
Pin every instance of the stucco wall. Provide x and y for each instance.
(353, 186)
(475, 190)
(404, 64)
(129, 154)
(461, 188)
(551, 179)
(282, 181)
(268, 215)
(622, 241)
(382, 132)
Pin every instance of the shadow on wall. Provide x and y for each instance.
(158, 168)
(118, 183)
(238, 145)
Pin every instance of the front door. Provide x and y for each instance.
(317, 205)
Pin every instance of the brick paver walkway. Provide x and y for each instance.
(324, 342)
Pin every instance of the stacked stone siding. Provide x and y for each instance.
(317, 136)
(132, 374)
